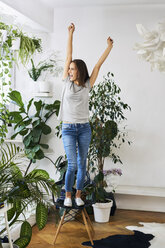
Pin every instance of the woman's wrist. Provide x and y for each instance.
(109, 47)
(70, 33)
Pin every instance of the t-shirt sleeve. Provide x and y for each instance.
(88, 85)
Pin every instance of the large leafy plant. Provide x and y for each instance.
(32, 126)
(106, 118)
(23, 189)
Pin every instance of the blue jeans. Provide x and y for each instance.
(76, 139)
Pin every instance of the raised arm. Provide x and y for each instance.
(101, 61)
(68, 60)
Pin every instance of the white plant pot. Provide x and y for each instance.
(44, 86)
(10, 132)
(102, 211)
(4, 35)
(16, 44)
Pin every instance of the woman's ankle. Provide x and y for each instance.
(68, 195)
(78, 193)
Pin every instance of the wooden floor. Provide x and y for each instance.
(73, 233)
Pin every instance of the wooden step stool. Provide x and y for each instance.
(69, 214)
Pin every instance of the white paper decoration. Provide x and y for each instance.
(153, 48)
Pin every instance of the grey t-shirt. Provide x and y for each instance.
(74, 102)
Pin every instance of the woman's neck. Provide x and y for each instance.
(76, 82)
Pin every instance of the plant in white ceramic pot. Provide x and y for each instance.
(106, 117)
(43, 69)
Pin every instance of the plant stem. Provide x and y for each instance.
(28, 168)
(49, 159)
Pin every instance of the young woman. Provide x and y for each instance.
(74, 114)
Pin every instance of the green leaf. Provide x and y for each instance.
(36, 148)
(22, 242)
(16, 115)
(10, 213)
(30, 154)
(39, 173)
(45, 146)
(36, 123)
(20, 128)
(29, 104)
(26, 230)
(23, 132)
(41, 215)
(38, 106)
(45, 129)
(16, 97)
(14, 135)
(27, 139)
(39, 154)
(36, 133)
(28, 122)
(6, 71)
(15, 170)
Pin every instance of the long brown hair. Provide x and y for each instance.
(83, 74)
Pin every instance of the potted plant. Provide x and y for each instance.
(106, 117)
(28, 46)
(32, 125)
(43, 69)
(102, 203)
(22, 189)
(14, 39)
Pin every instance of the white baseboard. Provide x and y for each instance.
(140, 190)
(140, 198)
(144, 203)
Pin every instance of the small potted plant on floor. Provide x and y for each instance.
(106, 116)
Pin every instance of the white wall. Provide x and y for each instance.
(143, 90)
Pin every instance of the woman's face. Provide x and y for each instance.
(73, 72)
